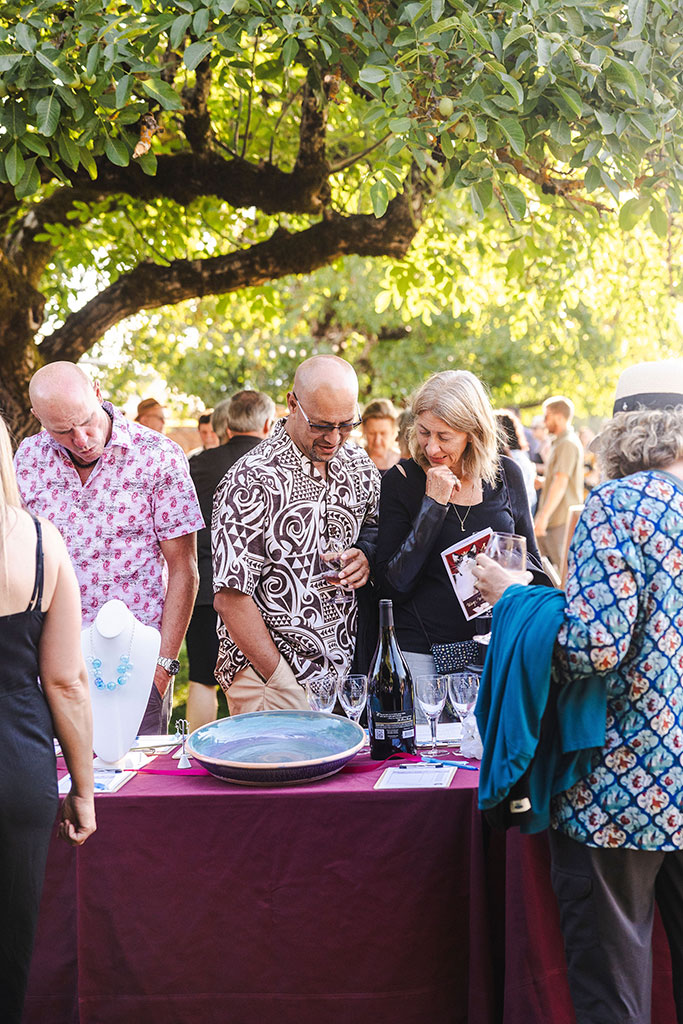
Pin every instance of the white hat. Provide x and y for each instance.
(650, 385)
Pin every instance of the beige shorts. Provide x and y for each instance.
(248, 691)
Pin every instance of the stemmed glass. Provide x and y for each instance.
(507, 549)
(431, 693)
(321, 692)
(353, 694)
(463, 689)
(330, 550)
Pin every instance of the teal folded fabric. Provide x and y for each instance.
(516, 696)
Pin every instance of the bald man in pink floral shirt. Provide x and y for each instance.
(122, 497)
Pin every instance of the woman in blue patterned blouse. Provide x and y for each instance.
(617, 835)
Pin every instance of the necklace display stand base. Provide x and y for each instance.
(130, 762)
(121, 656)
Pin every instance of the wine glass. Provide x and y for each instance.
(330, 550)
(507, 549)
(431, 694)
(321, 692)
(463, 690)
(353, 694)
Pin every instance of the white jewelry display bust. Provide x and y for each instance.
(118, 707)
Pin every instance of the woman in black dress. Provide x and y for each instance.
(455, 485)
(40, 620)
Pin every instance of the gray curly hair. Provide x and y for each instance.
(641, 439)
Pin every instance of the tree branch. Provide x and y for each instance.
(566, 188)
(197, 120)
(149, 285)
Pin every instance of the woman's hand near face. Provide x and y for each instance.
(442, 484)
(493, 579)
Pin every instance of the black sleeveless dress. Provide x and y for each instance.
(28, 793)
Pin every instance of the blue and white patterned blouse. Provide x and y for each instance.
(624, 619)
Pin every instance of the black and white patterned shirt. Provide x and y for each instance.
(269, 512)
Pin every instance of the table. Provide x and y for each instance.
(328, 903)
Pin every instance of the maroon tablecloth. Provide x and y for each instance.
(331, 902)
(335, 902)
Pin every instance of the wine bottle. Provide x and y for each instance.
(391, 713)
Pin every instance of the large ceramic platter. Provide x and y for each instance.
(276, 748)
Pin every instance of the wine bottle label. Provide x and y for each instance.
(393, 725)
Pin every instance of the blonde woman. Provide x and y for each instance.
(454, 485)
(40, 621)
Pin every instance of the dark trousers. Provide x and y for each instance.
(607, 899)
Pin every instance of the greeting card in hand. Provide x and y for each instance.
(459, 561)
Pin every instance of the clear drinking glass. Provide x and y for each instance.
(321, 692)
(463, 690)
(431, 693)
(353, 694)
(508, 550)
(330, 550)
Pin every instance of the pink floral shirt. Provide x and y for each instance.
(139, 494)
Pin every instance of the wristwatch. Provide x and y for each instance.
(172, 665)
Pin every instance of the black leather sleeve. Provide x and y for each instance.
(403, 568)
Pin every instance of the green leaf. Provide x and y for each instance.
(163, 92)
(48, 111)
(572, 99)
(514, 133)
(289, 50)
(659, 221)
(515, 201)
(372, 75)
(25, 38)
(592, 179)
(484, 190)
(193, 55)
(124, 87)
(51, 67)
(14, 165)
(606, 122)
(632, 211)
(446, 142)
(515, 263)
(476, 203)
(148, 163)
(513, 87)
(178, 30)
(610, 185)
(516, 33)
(437, 9)
(30, 180)
(117, 152)
(380, 198)
(35, 144)
(400, 125)
(8, 60)
(645, 123)
(637, 13)
(88, 161)
(200, 22)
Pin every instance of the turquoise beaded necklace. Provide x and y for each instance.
(123, 669)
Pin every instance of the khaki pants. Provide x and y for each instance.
(248, 691)
(552, 545)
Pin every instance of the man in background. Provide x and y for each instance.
(122, 498)
(279, 624)
(562, 481)
(151, 414)
(207, 434)
(239, 423)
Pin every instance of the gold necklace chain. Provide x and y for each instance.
(462, 519)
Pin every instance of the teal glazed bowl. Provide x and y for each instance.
(276, 748)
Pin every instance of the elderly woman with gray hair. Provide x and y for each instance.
(456, 484)
(617, 830)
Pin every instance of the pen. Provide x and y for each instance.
(458, 764)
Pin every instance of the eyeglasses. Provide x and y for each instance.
(328, 428)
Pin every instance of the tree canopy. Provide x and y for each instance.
(200, 147)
